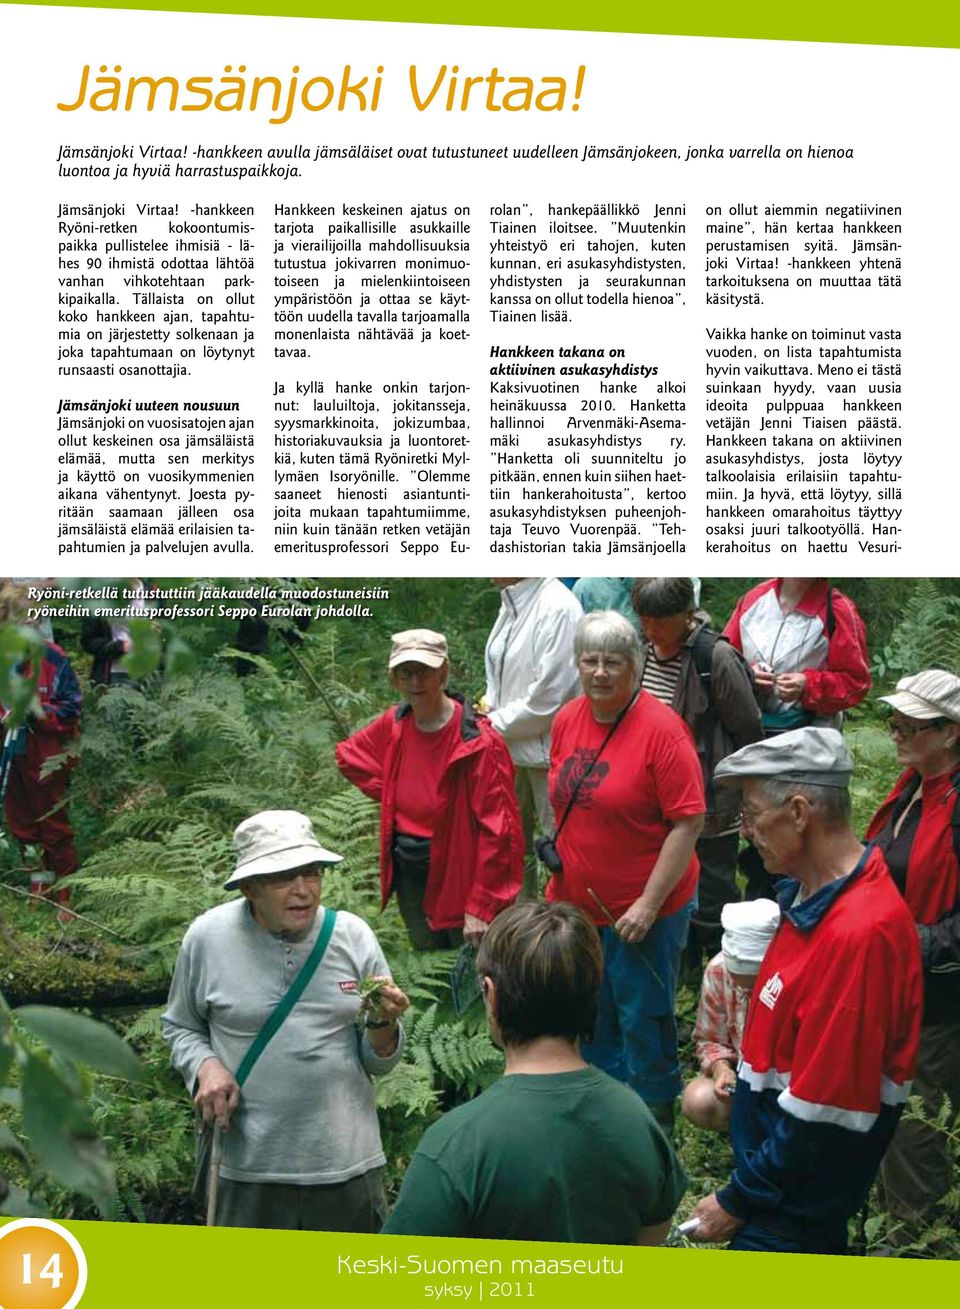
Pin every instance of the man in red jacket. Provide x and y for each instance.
(830, 1044)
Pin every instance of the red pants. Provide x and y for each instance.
(28, 805)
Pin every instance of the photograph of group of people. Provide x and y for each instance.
(645, 795)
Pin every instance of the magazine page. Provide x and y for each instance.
(447, 297)
(345, 352)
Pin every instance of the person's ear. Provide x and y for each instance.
(489, 988)
(801, 809)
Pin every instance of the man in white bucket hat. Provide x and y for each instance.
(262, 1026)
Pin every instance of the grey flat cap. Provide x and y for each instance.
(816, 755)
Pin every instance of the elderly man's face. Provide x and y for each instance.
(773, 829)
(286, 902)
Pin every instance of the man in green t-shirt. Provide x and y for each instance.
(556, 1150)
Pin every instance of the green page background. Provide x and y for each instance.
(886, 22)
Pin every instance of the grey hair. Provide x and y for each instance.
(831, 802)
(606, 632)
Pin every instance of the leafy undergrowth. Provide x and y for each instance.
(169, 767)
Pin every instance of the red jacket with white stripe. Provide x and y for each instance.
(828, 1052)
(824, 638)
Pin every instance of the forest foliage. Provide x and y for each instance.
(168, 766)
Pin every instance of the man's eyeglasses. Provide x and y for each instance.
(748, 817)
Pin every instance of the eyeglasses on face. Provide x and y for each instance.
(749, 816)
(407, 672)
(906, 729)
(310, 875)
(593, 663)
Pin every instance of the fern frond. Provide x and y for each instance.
(418, 1039)
(927, 635)
(464, 1059)
(146, 1026)
(408, 1087)
(145, 907)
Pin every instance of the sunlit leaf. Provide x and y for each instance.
(180, 659)
(18, 1203)
(21, 649)
(9, 1142)
(82, 1039)
(61, 1135)
(146, 649)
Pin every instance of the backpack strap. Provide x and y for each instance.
(704, 644)
(702, 650)
(831, 623)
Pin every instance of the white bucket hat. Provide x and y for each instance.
(276, 841)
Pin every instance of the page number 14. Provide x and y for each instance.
(42, 1266)
(50, 1270)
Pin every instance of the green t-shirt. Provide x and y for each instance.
(542, 1157)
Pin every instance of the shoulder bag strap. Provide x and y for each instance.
(594, 761)
(273, 1024)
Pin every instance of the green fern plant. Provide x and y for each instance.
(927, 634)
